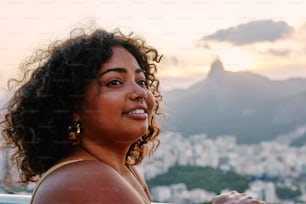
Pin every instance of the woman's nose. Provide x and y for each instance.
(138, 93)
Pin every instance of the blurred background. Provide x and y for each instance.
(233, 78)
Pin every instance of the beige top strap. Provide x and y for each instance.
(143, 184)
(50, 171)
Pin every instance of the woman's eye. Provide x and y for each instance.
(143, 83)
(114, 82)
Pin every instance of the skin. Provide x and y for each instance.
(234, 197)
(109, 127)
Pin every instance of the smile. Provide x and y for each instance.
(136, 111)
(137, 114)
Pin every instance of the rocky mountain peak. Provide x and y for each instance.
(216, 69)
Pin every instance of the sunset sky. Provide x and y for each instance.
(261, 36)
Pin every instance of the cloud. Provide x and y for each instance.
(173, 60)
(279, 52)
(252, 32)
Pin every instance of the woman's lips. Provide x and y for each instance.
(137, 114)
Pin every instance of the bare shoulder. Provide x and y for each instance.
(85, 182)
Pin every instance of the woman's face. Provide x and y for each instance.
(113, 109)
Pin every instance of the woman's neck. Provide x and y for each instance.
(112, 156)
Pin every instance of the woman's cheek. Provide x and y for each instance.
(150, 101)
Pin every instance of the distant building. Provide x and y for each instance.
(179, 194)
(263, 190)
(161, 193)
(200, 195)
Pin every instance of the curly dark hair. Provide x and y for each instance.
(54, 80)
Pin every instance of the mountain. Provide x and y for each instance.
(247, 105)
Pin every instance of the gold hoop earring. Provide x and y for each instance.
(74, 131)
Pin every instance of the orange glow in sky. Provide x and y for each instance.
(173, 27)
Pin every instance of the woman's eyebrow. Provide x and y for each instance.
(120, 70)
(115, 69)
(139, 70)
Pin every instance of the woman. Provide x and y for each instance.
(87, 112)
(85, 117)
